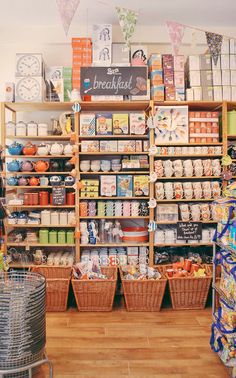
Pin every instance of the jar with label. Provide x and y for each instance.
(70, 238)
(61, 237)
(63, 219)
(53, 237)
(43, 236)
(55, 218)
(46, 217)
(32, 128)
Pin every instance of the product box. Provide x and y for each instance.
(206, 78)
(197, 93)
(179, 62)
(170, 93)
(194, 79)
(126, 146)
(205, 62)
(168, 77)
(90, 182)
(216, 66)
(120, 54)
(104, 124)
(84, 194)
(137, 123)
(225, 77)
(139, 55)
(145, 145)
(194, 62)
(224, 59)
(226, 93)
(179, 79)
(54, 90)
(155, 60)
(232, 46)
(87, 123)
(124, 185)
(143, 97)
(156, 77)
(189, 94)
(168, 62)
(207, 93)
(233, 93)
(216, 77)
(90, 146)
(232, 62)
(101, 55)
(180, 94)
(108, 145)
(225, 46)
(141, 185)
(108, 185)
(158, 93)
(120, 124)
(102, 33)
(217, 93)
(233, 77)
(138, 146)
(9, 92)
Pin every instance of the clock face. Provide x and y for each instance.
(28, 89)
(28, 65)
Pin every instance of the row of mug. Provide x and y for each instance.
(113, 208)
(187, 190)
(116, 256)
(191, 150)
(165, 235)
(187, 168)
(97, 165)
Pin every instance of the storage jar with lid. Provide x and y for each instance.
(61, 237)
(53, 237)
(21, 128)
(71, 218)
(10, 129)
(63, 219)
(32, 128)
(54, 218)
(46, 217)
(231, 122)
(43, 236)
(42, 129)
(70, 239)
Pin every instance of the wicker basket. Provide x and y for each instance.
(189, 293)
(143, 295)
(96, 295)
(57, 286)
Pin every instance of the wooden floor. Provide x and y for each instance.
(124, 344)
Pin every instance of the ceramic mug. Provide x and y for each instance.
(122, 260)
(113, 260)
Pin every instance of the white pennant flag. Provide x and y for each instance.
(67, 9)
(127, 19)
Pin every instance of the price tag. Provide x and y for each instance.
(153, 177)
(152, 203)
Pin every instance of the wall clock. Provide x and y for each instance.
(29, 65)
(171, 124)
(29, 89)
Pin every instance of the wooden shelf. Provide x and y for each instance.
(196, 105)
(231, 137)
(38, 156)
(41, 207)
(112, 153)
(115, 245)
(187, 156)
(187, 200)
(37, 173)
(36, 187)
(46, 137)
(112, 198)
(188, 178)
(189, 144)
(183, 245)
(204, 222)
(12, 244)
(117, 173)
(143, 136)
(26, 225)
(32, 265)
(116, 217)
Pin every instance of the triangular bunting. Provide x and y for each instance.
(214, 42)
(127, 19)
(176, 33)
(67, 9)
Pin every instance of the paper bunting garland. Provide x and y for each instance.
(214, 42)
(176, 33)
(127, 19)
(67, 9)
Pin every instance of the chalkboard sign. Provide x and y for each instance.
(109, 81)
(58, 195)
(189, 231)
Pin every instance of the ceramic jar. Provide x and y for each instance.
(63, 219)
(55, 218)
(46, 217)
(42, 129)
(21, 128)
(10, 129)
(32, 129)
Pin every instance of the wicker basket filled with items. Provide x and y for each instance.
(57, 286)
(143, 291)
(94, 286)
(189, 284)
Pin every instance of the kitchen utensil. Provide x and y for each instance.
(15, 148)
(53, 237)
(42, 129)
(13, 166)
(56, 149)
(61, 237)
(21, 128)
(41, 166)
(45, 217)
(32, 129)
(33, 181)
(55, 180)
(68, 149)
(43, 181)
(43, 149)
(12, 181)
(43, 236)
(23, 181)
(29, 149)
(70, 239)
(10, 128)
(70, 198)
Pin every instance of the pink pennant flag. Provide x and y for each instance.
(67, 9)
(176, 33)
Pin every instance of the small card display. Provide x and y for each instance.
(189, 231)
(141, 185)
(87, 124)
(120, 124)
(137, 123)
(108, 185)
(58, 196)
(124, 185)
(104, 124)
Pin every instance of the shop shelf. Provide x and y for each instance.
(39, 226)
(143, 136)
(35, 187)
(101, 153)
(183, 245)
(38, 156)
(112, 198)
(36, 173)
(187, 200)
(29, 244)
(205, 222)
(190, 144)
(46, 137)
(187, 156)
(41, 207)
(188, 177)
(115, 245)
(117, 173)
(114, 217)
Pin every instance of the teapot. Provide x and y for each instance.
(41, 166)
(54, 166)
(55, 180)
(68, 166)
(26, 166)
(33, 181)
(29, 149)
(13, 166)
(23, 181)
(43, 149)
(12, 181)
(69, 181)
(56, 149)
(15, 148)
(68, 149)
(74, 95)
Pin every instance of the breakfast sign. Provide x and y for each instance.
(110, 81)
(189, 231)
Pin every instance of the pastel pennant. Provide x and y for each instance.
(67, 9)
(176, 33)
(214, 42)
(127, 19)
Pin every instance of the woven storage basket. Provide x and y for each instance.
(96, 295)
(143, 295)
(57, 286)
(189, 293)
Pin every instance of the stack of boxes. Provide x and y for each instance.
(82, 57)
(167, 77)
(102, 41)
(90, 188)
(208, 81)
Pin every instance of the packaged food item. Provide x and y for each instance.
(104, 124)
(120, 124)
(108, 145)
(87, 124)
(90, 146)
(124, 185)
(141, 185)
(108, 185)
(126, 146)
(137, 123)
(168, 213)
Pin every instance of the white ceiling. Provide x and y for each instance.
(152, 12)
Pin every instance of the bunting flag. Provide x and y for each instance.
(214, 42)
(176, 33)
(67, 9)
(127, 19)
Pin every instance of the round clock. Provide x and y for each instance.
(28, 65)
(28, 89)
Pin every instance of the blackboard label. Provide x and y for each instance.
(109, 81)
(58, 195)
(189, 231)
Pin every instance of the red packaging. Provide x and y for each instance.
(43, 198)
(168, 77)
(35, 198)
(167, 61)
(70, 198)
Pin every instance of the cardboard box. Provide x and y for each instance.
(225, 48)
(141, 185)
(124, 185)
(233, 93)
(137, 123)
(194, 62)
(139, 55)
(189, 94)
(104, 124)
(108, 185)
(197, 93)
(155, 60)
(102, 33)
(108, 145)
(232, 46)
(206, 78)
(233, 77)
(101, 55)
(179, 79)
(205, 62)
(216, 77)
(156, 77)
(232, 61)
(216, 66)
(170, 93)
(158, 93)
(217, 93)
(168, 62)
(90, 146)
(225, 77)
(168, 77)
(178, 62)
(87, 123)
(207, 93)
(194, 78)
(224, 59)
(226, 93)
(120, 54)
(120, 123)
(180, 94)
(126, 146)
